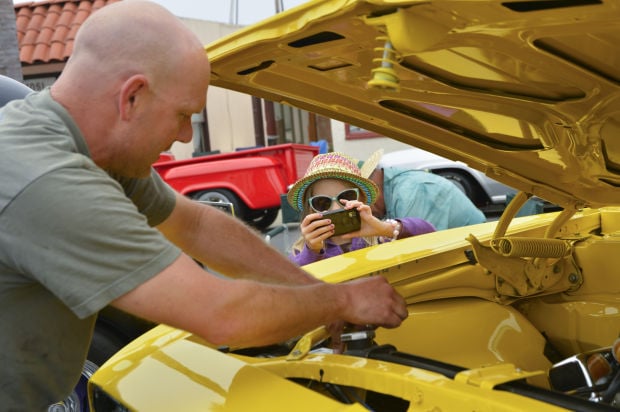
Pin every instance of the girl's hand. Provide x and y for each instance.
(315, 229)
(371, 226)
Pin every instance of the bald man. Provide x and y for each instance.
(85, 222)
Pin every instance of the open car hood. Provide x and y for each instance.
(519, 314)
(524, 91)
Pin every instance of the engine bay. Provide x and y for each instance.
(584, 382)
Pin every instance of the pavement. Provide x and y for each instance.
(282, 236)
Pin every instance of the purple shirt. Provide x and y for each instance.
(411, 226)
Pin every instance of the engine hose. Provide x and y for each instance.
(531, 247)
(614, 385)
(612, 390)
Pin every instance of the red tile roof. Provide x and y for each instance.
(46, 29)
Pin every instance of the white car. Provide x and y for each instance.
(483, 191)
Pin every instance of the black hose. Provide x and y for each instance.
(613, 389)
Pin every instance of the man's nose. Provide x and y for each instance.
(185, 133)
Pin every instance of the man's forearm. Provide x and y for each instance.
(240, 252)
(228, 246)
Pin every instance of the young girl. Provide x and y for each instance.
(333, 181)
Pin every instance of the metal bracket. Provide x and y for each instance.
(548, 268)
(307, 342)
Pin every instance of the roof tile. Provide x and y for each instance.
(46, 29)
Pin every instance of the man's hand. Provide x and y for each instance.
(374, 301)
(387, 308)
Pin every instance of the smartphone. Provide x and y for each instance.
(344, 220)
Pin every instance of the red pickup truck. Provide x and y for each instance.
(252, 180)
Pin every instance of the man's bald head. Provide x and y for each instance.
(135, 77)
(132, 36)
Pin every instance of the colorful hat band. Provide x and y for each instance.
(331, 166)
(369, 193)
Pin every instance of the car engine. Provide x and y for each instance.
(594, 375)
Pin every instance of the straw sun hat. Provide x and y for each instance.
(333, 165)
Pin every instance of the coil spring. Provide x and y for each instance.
(531, 247)
(383, 75)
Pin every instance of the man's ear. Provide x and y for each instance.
(132, 90)
(377, 176)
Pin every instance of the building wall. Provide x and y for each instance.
(362, 148)
(231, 123)
(229, 113)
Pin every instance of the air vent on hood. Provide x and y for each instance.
(318, 38)
(256, 68)
(525, 6)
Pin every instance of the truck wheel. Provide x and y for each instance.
(225, 196)
(262, 219)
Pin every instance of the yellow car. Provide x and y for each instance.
(521, 314)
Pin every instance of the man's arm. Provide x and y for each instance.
(249, 313)
(228, 246)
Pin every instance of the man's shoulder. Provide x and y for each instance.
(413, 174)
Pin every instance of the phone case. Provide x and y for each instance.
(345, 221)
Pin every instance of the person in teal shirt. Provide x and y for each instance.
(409, 192)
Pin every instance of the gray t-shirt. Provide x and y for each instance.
(72, 239)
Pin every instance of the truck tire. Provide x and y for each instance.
(225, 196)
(262, 219)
